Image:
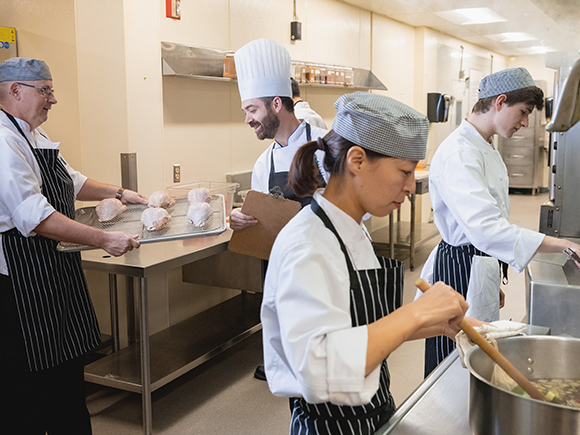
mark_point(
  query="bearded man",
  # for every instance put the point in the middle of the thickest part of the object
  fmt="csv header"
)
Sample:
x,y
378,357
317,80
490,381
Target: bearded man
x,y
263,70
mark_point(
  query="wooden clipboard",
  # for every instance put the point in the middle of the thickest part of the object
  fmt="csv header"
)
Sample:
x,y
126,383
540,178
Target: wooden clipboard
x,y
272,214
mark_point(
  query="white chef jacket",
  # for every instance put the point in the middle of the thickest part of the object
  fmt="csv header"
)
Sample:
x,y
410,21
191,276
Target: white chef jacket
x,y
469,188
22,205
311,349
283,157
303,111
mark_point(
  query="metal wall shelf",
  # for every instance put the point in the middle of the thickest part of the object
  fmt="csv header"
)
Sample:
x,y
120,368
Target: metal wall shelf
x,y
201,63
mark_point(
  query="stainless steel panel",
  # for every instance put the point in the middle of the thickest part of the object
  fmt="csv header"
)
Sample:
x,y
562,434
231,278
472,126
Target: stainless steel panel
x,y
521,176
553,298
525,137
129,222
129,171
227,270
522,156
187,60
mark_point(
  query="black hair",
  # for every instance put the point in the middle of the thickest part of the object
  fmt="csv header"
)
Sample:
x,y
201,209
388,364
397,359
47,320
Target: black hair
x,y
286,102
295,88
304,175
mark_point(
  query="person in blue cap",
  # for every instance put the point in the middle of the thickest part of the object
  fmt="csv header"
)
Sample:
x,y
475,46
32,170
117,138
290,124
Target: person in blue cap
x,y
469,189
328,312
47,320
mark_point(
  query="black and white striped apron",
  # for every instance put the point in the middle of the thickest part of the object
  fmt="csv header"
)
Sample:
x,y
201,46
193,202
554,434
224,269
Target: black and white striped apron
x,y
452,265
374,293
55,311
278,181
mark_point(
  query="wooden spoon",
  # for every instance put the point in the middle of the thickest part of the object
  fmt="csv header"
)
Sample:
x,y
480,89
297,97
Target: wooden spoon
x,y
493,353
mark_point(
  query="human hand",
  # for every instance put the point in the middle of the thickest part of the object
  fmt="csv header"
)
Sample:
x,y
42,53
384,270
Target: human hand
x,y
573,252
132,197
441,307
117,243
239,220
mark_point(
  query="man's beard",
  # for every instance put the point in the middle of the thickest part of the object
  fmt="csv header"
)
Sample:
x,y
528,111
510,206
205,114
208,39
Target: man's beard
x,y
269,125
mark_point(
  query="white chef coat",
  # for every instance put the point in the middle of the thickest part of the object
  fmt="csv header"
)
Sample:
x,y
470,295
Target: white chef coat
x,y
311,349
283,157
22,205
303,111
469,188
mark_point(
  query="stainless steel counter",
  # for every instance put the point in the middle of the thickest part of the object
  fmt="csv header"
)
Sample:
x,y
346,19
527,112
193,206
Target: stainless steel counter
x,y
439,406
154,361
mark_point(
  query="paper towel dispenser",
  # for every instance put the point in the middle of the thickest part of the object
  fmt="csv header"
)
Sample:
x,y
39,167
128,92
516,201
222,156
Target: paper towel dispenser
x,y
438,107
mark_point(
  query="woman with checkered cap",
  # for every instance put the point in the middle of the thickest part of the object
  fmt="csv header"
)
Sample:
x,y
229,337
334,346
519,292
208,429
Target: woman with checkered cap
x,y
469,189
328,313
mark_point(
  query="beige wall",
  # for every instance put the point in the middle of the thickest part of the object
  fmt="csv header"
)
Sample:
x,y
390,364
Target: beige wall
x,y
106,62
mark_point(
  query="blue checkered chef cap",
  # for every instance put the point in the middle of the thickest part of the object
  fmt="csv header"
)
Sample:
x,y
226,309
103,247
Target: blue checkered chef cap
x,y
23,69
381,124
504,81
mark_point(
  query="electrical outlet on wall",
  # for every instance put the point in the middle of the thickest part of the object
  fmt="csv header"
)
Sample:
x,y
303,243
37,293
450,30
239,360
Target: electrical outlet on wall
x,y
173,9
177,173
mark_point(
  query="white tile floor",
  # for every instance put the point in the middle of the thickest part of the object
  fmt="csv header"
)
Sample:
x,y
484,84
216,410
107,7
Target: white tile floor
x,y
222,397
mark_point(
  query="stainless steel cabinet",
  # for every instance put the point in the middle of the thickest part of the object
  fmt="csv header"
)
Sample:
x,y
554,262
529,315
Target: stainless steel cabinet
x,y
524,154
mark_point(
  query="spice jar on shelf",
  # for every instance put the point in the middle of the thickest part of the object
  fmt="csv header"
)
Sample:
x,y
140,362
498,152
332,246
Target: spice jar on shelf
x,y
349,77
319,72
339,76
309,73
229,66
299,72
330,75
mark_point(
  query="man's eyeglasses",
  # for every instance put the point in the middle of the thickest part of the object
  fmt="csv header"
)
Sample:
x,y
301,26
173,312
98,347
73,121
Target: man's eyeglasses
x,y
46,92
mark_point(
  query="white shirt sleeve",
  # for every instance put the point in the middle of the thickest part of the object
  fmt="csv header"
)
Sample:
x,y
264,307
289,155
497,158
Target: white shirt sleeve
x,y
465,191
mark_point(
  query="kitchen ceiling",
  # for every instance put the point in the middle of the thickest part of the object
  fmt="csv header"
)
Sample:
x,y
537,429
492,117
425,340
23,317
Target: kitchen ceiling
x,y
555,24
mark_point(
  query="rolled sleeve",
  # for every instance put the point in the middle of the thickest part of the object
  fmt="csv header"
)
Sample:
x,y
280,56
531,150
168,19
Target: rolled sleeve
x,y
30,213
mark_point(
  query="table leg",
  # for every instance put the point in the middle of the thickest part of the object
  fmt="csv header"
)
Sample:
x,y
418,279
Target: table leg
x,y
391,235
412,234
114,311
145,361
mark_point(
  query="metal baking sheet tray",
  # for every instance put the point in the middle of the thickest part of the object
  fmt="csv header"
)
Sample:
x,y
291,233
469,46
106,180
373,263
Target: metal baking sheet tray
x,y
129,222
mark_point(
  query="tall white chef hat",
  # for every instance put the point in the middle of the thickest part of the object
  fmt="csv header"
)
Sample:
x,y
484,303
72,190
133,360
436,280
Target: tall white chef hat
x,y
263,69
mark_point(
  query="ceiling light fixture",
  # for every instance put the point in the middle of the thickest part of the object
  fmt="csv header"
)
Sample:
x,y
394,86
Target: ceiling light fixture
x,y
470,16
512,37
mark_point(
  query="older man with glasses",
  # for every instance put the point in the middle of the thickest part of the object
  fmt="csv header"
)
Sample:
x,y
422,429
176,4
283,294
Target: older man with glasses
x,y
47,320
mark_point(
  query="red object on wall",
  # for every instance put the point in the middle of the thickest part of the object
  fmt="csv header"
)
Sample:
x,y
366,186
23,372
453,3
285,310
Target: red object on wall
x,y
173,9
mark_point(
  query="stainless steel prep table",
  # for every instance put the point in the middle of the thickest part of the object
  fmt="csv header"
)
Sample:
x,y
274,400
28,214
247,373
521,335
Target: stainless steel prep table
x,y
439,406
154,361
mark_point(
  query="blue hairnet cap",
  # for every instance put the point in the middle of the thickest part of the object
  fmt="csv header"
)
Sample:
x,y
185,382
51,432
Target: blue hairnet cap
x,y
381,124
24,69
504,81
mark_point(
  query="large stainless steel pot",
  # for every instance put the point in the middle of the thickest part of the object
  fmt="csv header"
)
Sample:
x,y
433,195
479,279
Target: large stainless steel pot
x,y
493,411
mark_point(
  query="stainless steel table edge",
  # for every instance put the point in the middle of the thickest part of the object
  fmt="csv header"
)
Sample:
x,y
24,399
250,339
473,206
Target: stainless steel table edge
x,y
417,394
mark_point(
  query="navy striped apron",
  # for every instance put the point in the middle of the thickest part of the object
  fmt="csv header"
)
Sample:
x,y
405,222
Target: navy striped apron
x,y
55,311
452,265
374,294
278,181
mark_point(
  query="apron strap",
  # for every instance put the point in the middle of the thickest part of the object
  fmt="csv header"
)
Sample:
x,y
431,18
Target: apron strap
x,y
324,217
11,118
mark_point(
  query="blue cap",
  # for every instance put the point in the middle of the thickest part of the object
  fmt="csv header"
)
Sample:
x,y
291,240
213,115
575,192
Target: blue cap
x,y
504,81
381,124
23,69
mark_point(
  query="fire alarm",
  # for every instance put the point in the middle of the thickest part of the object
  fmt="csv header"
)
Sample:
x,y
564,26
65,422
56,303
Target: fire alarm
x,y
173,9
295,30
